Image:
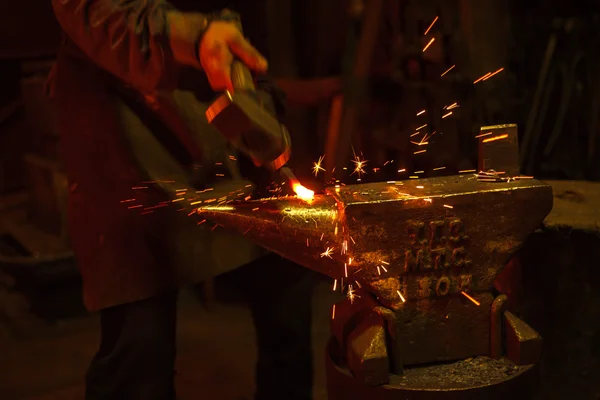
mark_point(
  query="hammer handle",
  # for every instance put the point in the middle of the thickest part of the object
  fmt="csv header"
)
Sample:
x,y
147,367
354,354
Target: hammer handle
x,y
241,77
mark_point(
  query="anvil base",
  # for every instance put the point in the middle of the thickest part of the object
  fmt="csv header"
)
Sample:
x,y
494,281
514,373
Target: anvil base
x,y
476,378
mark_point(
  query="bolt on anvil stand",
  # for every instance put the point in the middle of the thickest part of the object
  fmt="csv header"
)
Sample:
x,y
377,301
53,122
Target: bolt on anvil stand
x,y
418,259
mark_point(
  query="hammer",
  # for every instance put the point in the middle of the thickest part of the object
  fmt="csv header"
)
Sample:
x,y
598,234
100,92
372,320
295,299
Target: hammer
x,y
244,118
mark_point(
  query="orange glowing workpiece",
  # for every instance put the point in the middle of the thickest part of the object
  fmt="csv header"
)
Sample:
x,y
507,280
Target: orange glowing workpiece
x,y
303,192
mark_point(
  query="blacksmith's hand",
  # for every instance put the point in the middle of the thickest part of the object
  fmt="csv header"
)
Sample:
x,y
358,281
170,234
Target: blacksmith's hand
x,y
221,43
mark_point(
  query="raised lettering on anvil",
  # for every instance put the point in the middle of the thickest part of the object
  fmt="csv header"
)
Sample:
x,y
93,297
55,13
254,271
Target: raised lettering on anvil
x,y
436,245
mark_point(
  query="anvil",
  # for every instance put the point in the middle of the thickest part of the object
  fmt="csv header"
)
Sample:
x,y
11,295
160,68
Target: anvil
x,y
418,259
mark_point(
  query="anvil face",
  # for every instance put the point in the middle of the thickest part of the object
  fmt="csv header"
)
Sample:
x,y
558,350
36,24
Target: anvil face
x,y
402,241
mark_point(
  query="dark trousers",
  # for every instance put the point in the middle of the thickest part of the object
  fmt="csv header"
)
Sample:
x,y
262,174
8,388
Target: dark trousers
x,y
136,358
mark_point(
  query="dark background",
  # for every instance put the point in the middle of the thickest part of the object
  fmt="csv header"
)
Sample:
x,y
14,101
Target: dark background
x,y
550,87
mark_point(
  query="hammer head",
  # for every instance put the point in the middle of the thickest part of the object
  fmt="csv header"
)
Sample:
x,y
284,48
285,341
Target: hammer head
x,y
243,117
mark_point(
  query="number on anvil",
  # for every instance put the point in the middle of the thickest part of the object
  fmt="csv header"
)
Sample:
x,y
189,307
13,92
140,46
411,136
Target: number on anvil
x,y
436,245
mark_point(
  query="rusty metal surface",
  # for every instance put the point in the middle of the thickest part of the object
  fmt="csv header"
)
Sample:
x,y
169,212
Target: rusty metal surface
x,y
496,318
367,355
445,329
523,343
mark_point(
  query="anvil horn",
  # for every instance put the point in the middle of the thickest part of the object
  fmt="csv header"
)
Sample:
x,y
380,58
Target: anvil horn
x,y
307,233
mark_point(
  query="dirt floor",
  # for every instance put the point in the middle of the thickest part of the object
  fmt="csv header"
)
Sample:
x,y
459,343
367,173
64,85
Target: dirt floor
x,y
216,354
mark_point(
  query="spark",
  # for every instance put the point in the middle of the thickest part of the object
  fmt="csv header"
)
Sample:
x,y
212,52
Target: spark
x,y
428,200
482,78
495,138
430,26
452,106
401,170
138,206
470,298
401,297
488,76
413,177
448,206
201,222
177,199
384,262
427,137
158,181
352,240
421,112
247,230
127,201
494,73
378,270
322,234
255,209
439,168
317,166
448,70
307,243
335,231
483,134
421,127
139,187
383,268
345,270
466,171
147,212
349,261
220,175
334,284
420,151
447,115
359,166
428,44
333,312
327,252
358,284
351,294
420,187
